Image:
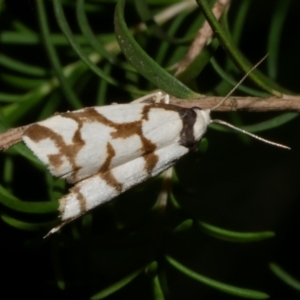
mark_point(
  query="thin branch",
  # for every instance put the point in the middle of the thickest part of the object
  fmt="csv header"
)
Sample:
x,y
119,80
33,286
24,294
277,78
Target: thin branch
x,y
203,37
251,104
168,13
12,137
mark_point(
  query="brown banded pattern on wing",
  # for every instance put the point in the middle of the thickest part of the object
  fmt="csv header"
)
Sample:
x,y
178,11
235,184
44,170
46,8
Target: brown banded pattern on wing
x,y
78,144
102,187
107,150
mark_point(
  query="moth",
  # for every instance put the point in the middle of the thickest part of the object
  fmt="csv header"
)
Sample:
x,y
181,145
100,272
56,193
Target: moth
x,y
107,150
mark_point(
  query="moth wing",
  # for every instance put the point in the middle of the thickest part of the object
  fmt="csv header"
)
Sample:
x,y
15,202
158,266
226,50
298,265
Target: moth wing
x,y
102,187
78,144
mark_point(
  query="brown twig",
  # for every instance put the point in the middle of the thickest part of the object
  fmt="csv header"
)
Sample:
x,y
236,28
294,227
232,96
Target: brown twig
x,y
203,37
11,137
251,104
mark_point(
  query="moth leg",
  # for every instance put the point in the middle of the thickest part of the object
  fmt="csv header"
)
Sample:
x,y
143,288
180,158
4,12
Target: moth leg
x,y
166,99
156,97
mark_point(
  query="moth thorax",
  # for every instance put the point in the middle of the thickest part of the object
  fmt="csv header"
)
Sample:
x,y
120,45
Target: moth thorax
x,y
202,121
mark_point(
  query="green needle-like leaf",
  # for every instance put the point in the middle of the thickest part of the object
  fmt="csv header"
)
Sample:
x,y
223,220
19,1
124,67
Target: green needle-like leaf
x,y
145,64
53,57
117,286
226,288
26,226
285,277
75,45
14,203
233,236
264,82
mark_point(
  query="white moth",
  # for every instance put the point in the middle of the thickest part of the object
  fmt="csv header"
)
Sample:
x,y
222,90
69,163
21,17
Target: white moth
x,y
107,150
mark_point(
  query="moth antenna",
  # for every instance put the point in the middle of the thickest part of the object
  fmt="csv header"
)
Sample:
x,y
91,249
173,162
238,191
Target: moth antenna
x,y
240,82
239,129
250,134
